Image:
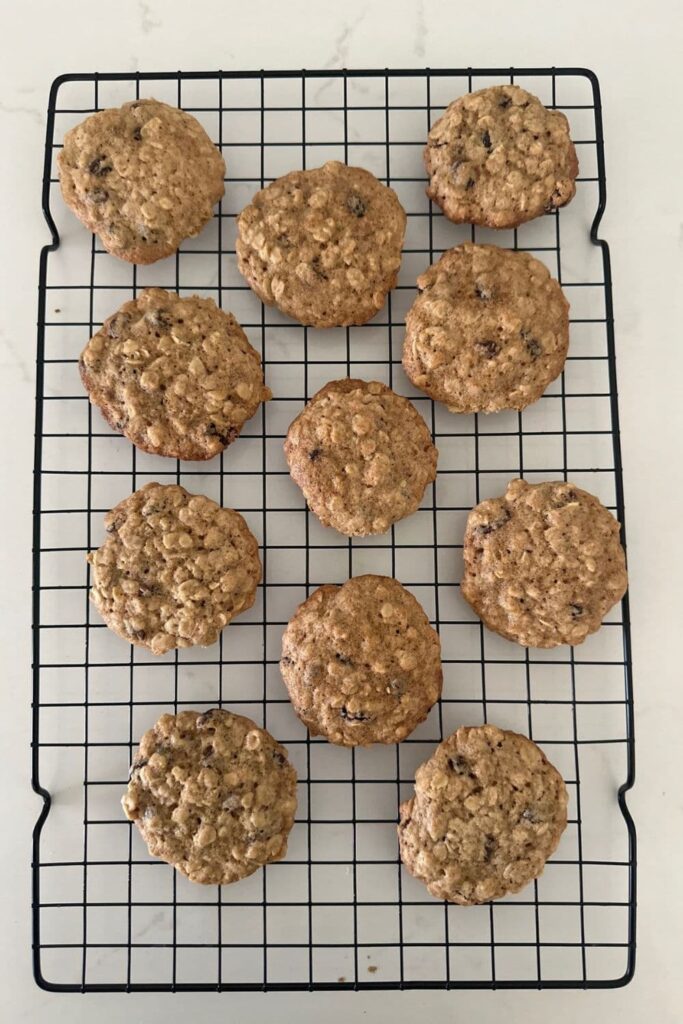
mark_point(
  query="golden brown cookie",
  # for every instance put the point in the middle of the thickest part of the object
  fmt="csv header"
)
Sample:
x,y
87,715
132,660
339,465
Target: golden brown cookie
x,y
177,376
543,564
212,794
498,157
324,245
361,663
174,570
143,177
488,811
362,455
488,331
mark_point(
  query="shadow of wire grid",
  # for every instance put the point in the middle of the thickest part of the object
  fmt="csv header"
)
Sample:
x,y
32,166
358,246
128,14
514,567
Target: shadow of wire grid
x,y
338,912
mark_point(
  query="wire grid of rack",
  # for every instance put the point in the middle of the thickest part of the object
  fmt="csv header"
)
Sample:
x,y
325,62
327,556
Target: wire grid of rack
x,y
338,912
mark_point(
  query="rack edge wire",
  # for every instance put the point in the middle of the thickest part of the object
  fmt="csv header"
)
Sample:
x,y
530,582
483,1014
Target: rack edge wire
x,y
45,795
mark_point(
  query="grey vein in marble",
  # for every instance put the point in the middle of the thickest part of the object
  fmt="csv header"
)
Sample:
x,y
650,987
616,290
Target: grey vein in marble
x,y
32,112
147,22
340,54
420,40
17,358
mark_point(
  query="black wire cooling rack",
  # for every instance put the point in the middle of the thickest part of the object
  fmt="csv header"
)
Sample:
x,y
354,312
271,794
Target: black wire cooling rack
x,y
338,913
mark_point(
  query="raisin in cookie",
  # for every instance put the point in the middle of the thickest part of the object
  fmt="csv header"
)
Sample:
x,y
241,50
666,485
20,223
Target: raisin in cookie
x,y
361,663
143,177
488,331
324,246
175,568
212,794
498,157
362,455
176,375
543,564
488,811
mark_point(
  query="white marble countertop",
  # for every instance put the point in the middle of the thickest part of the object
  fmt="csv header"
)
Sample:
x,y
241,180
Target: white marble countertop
x,y
635,49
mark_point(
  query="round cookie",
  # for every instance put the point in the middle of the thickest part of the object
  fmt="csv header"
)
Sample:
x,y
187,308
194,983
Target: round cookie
x,y
488,331
142,177
543,564
488,811
498,158
362,456
361,663
324,245
176,375
212,794
175,568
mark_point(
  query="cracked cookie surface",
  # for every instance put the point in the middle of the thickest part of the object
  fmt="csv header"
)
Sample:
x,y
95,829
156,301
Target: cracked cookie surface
x,y
212,794
543,564
323,245
488,811
142,177
361,662
175,568
498,157
177,376
362,455
488,331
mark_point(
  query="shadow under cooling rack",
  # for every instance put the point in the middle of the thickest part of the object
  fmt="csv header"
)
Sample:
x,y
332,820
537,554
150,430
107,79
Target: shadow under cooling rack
x,y
338,913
